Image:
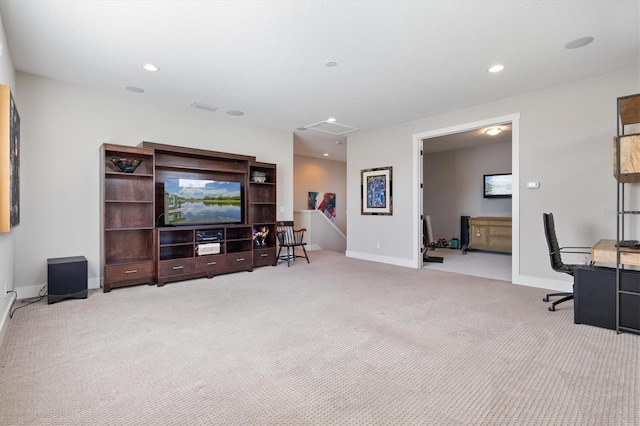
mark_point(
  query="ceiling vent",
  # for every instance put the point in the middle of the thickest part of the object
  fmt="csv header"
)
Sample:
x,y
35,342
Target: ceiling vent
x,y
334,128
200,105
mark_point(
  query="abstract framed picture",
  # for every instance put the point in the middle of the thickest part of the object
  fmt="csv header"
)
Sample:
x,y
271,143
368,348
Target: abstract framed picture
x,y
325,202
377,191
9,161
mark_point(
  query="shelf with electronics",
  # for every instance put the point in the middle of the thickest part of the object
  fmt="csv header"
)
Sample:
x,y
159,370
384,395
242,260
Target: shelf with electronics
x,y
626,170
191,213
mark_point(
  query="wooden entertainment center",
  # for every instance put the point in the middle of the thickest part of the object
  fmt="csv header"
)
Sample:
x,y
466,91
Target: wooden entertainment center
x,y
137,246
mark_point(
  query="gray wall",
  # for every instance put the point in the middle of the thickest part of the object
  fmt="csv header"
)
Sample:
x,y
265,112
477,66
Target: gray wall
x,y
563,140
7,240
63,127
453,185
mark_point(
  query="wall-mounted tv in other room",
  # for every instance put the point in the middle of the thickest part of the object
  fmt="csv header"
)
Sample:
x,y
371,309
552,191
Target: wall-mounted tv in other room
x,y
498,185
201,202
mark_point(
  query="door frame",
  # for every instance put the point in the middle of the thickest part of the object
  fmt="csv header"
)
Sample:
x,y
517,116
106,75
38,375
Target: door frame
x,y
418,141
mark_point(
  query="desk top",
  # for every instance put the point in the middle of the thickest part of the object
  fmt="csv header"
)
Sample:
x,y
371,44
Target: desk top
x,y
604,251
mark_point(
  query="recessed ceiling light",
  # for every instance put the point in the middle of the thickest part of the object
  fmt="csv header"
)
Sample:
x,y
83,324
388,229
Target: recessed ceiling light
x,y
492,131
331,120
135,89
331,64
338,143
301,128
150,67
235,113
579,42
325,154
496,68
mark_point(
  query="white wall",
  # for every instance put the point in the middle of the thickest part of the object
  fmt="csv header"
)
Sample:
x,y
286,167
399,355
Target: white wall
x,y
453,185
63,126
318,175
7,240
565,135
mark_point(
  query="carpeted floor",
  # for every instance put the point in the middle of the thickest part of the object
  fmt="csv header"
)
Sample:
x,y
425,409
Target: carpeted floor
x,y
336,342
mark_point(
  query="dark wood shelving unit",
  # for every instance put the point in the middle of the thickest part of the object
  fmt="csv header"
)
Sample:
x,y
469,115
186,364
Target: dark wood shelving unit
x,y
262,212
137,239
127,218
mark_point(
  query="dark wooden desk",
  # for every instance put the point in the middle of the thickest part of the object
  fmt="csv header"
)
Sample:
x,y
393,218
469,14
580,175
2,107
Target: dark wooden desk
x,y
594,290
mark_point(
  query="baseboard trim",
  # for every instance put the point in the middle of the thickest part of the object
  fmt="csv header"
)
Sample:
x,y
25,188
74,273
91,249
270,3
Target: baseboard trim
x,y
34,290
381,259
4,319
545,283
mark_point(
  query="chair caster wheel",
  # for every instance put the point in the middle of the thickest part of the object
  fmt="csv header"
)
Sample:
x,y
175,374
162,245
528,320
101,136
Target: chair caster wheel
x,y
552,308
545,299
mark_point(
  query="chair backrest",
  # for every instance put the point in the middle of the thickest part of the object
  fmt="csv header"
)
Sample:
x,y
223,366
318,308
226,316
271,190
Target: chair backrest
x,y
287,236
554,248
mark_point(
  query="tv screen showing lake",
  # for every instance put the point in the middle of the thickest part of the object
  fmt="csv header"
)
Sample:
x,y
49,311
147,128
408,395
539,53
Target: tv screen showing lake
x,y
201,202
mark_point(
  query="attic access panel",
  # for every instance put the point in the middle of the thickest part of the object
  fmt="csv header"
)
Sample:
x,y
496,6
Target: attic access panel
x,y
334,128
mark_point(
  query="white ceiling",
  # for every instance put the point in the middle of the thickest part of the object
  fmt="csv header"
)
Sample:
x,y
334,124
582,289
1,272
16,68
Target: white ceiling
x,y
397,60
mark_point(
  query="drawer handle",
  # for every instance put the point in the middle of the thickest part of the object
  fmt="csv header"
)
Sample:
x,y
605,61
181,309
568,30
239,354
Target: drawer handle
x,y
132,271
178,267
264,255
240,259
211,263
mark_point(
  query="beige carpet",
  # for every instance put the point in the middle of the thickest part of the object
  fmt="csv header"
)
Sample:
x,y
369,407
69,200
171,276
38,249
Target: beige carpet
x,y
335,342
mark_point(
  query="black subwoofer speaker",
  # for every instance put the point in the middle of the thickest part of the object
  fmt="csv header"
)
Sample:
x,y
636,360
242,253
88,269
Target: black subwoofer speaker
x,y
66,278
464,230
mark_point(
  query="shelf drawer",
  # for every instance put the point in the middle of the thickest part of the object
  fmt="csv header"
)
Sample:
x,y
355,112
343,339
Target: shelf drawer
x,y
500,231
211,264
140,271
630,282
262,257
169,268
243,258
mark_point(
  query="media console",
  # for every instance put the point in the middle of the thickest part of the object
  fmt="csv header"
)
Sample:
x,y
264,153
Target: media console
x,y
490,234
179,257
138,248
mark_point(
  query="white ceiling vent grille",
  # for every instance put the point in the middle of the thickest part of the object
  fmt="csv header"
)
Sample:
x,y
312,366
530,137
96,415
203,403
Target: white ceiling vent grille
x,y
334,128
206,107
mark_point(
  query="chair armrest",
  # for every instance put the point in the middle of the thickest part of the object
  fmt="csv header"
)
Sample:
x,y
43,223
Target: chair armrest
x,y
584,250
300,230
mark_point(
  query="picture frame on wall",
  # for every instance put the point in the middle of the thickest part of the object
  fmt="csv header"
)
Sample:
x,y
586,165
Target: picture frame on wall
x,y
9,161
376,188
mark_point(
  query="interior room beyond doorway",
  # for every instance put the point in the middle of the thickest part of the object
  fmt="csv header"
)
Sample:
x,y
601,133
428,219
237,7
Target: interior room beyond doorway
x,y
454,166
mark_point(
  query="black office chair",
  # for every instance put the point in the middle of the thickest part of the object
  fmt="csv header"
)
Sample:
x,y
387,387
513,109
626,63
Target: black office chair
x,y
556,258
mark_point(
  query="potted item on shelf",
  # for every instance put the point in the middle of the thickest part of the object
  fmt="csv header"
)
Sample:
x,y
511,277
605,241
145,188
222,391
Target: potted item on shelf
x,y
259,177
126,165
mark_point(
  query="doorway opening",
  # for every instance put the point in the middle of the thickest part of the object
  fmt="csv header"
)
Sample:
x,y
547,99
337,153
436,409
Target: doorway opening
x,y
421,145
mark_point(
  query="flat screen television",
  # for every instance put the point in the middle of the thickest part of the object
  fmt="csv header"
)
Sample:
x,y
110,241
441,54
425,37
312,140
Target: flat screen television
x,y
498,185
201,202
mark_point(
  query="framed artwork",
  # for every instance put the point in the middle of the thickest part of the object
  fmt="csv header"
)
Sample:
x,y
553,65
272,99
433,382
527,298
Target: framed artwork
x,y
325,202
377,191
9,161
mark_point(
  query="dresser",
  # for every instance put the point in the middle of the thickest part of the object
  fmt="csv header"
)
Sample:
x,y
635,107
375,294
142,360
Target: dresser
x,y
490,234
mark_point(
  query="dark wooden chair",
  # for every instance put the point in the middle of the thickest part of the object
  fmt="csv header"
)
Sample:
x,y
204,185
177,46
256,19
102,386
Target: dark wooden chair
x,y
290,238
